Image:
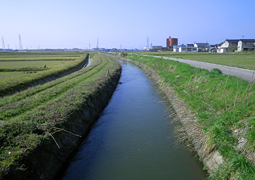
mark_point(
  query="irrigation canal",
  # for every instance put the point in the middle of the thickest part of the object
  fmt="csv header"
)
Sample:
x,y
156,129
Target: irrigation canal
x,y
133,138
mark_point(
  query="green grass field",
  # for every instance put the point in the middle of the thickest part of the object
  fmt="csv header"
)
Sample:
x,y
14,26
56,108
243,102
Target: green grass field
x,y
15,65
242,60
23,68
40,56
30,117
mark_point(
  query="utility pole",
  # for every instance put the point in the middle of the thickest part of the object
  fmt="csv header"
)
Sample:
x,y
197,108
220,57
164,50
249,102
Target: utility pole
x,y
97,43
3,46
20,43
147,42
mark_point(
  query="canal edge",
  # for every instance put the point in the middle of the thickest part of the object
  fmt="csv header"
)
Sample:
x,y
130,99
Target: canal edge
x,y
47,159
210,156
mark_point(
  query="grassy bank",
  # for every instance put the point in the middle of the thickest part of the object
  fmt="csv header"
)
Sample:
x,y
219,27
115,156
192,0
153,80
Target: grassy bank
x,y
33,117
224,109
18,70
241,60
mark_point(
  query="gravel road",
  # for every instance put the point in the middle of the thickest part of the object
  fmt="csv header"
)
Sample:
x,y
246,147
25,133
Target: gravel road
x,y
245,74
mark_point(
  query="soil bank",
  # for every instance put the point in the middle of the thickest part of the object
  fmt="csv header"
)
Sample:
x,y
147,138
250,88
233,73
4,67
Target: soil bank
x,y
47,159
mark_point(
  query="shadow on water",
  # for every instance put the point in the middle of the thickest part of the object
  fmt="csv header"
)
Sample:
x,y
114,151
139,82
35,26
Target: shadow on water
x,y
132,139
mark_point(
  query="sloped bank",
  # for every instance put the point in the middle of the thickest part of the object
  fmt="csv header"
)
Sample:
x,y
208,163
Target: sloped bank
x,y
189,129
47,158
211,157
217,114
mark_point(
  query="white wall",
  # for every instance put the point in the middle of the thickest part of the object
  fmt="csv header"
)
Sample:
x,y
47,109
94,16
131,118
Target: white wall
x,y
225,44
240,46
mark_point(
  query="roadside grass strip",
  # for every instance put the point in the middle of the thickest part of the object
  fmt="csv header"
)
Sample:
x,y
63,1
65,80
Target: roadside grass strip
x,y
21,134
23,78
224,107
241,59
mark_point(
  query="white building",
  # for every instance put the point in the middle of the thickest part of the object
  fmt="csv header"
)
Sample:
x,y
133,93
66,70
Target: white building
x,y
202,47
176,48
236,45
229,45
246,45
185,48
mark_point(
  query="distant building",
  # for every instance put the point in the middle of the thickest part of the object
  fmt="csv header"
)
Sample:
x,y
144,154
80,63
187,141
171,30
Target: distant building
x,y
213,48
197,47
246,45
184,48
229,45
171,41
236,45
202,47
156,47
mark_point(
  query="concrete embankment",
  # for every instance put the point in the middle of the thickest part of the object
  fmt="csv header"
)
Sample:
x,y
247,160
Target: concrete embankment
x,y
47,159
187,130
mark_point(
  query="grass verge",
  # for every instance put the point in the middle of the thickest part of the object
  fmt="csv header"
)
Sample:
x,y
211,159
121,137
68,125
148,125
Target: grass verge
x,y
241,60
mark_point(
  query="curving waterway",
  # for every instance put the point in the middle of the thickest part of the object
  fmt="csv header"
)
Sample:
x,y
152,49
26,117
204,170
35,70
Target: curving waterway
x,y
133,138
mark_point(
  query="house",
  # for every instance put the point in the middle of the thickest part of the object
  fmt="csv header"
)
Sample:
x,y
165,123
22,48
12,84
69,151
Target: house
x,y
229,45
212,48
246,45
176,48
236,45
184,48
188,48
202,47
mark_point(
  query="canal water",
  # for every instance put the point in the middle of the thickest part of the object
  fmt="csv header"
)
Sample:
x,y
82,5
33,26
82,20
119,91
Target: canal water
x,y
133,138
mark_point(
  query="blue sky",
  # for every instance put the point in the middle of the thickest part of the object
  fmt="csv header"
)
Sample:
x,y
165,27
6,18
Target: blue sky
x,y
78,23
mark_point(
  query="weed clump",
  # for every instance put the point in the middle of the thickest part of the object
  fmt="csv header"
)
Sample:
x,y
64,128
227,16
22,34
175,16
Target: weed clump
x,y
123,54
215,72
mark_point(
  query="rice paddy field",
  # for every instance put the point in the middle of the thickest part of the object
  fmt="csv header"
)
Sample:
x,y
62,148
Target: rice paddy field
x,y
32,117
23,68
241,60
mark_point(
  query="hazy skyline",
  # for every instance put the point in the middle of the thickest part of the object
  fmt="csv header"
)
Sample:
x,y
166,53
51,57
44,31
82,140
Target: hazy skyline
x,y
77,23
